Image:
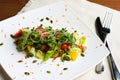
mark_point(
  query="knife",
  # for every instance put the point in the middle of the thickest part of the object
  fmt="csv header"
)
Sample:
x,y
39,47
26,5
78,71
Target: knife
x,y
114,71
98,26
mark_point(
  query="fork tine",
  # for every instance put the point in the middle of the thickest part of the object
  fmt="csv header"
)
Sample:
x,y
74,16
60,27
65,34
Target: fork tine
x,y
107,19
104,20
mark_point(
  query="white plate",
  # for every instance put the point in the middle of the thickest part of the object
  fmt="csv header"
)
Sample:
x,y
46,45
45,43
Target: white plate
x,y
62,16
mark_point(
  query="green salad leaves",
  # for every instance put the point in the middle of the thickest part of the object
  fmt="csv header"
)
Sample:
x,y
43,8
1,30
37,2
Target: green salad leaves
x,y
46,43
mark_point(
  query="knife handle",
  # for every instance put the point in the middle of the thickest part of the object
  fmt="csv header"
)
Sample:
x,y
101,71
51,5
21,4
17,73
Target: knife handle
x,y
99,32
114,70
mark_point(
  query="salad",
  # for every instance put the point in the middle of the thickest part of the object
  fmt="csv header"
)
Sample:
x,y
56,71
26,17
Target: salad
x,y
45,43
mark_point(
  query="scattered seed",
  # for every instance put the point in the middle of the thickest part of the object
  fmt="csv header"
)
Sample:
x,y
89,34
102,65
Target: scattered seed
x,y
19,61
48,72
58,64
65,68
1,44
41,19
41,25
75,31
34,61
51,21
27,73
82,55
23,17
12,35
47,18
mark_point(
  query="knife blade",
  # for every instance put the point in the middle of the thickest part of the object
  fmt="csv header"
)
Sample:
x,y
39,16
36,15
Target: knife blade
x,y
114,71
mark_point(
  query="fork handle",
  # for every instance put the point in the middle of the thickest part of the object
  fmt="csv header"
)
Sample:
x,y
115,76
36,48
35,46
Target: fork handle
x,y
114,70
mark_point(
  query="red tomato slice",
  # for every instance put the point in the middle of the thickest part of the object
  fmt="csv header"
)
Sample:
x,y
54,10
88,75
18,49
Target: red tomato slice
x,y
18,34
44,35
64,47
40,29
82,47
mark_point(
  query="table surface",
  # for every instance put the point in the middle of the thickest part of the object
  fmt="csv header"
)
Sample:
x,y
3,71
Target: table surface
x,y
11,7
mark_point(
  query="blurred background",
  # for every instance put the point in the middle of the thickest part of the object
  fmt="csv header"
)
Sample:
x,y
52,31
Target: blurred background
x,y
12,7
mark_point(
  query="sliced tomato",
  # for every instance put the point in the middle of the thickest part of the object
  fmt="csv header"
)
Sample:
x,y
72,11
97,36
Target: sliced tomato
x,y
44,35
40,29
18,34
82,47
65,46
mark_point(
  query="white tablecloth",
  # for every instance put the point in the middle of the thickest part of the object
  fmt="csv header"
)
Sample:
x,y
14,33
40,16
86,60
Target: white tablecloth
x,y
87,12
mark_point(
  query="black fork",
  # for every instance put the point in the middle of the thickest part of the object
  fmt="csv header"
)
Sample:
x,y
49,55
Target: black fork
x,y
105,29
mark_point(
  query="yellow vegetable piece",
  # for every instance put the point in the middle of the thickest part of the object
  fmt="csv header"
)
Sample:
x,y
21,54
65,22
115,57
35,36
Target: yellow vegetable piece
x,y
82,40
39,54
73,55
28,47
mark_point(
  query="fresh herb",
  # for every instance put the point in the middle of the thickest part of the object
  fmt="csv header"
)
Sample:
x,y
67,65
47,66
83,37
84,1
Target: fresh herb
x,y
65,57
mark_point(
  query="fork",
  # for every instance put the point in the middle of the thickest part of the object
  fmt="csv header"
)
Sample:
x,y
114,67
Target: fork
x,y
105,30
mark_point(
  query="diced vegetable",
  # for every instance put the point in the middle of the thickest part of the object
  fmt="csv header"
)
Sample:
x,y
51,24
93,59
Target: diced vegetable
x,y
48,55
31,52
82,40
65,57
75,49
83,48
46,43
73,55
39,54
64,46
74,52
